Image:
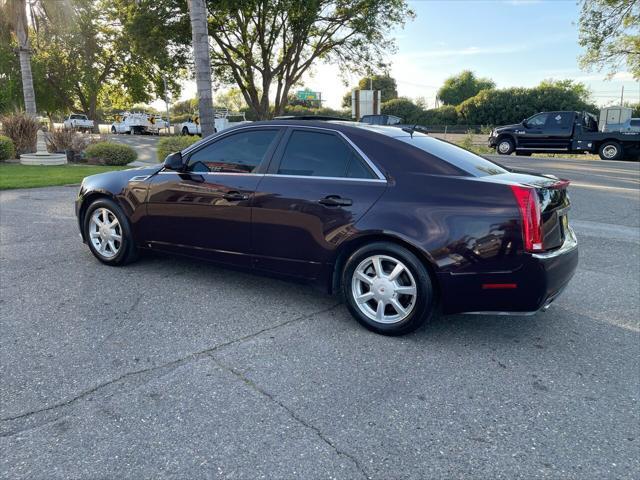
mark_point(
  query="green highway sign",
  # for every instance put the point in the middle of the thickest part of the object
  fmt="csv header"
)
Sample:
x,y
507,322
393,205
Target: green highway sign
x,y
307,95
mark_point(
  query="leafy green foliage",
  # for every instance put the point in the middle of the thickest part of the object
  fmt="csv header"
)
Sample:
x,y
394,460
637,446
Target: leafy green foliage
x,y
7,150
109,153
512,105
609,31
168,145
465,85
265,47
385,83
22,130
404,108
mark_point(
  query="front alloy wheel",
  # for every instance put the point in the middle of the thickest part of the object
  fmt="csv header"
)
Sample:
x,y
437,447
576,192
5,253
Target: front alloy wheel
x,y
108,234
505,146
105,233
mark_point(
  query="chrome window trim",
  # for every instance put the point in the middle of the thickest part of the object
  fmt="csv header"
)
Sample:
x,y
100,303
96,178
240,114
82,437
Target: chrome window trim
x,y
343,179
367,160
348,179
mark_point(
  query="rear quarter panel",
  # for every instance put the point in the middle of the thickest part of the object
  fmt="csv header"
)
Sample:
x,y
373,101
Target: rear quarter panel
x,y
462,224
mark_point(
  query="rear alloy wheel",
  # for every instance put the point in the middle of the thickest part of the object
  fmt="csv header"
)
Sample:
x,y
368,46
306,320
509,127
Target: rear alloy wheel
x,y
610,151
505,146
387,289
107,232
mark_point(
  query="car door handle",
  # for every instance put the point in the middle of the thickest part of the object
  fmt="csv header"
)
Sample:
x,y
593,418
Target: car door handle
x,y
335,201
235,196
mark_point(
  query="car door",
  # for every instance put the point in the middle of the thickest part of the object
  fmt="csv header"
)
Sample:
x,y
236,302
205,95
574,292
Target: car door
x,y
534,135
559,129
206,210
317,186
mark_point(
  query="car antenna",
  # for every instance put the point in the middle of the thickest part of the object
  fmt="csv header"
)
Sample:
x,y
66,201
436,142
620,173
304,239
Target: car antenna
x,y
410,130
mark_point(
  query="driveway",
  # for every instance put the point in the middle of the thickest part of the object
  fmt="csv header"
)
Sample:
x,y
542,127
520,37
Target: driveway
x,y
172,369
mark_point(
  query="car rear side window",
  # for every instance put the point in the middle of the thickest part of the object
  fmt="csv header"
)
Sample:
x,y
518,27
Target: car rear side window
x,y
237,153
316,154
464,160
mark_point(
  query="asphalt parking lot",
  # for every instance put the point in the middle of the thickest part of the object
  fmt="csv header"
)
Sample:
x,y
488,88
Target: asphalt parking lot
x,y
172,369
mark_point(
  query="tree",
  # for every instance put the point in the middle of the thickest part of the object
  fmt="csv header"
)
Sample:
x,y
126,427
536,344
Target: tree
x,y
385,83
402,107
266,46
15,13
511,105
608,30
458,88
231,99
200,40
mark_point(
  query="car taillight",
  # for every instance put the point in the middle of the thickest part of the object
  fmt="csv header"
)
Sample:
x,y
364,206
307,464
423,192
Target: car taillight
x,y
529,206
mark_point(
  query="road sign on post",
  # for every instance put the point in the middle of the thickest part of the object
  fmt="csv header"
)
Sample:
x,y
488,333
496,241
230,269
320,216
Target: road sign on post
x,y
307,95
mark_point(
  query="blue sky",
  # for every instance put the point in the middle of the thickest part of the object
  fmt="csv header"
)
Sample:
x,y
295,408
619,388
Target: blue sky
x,y
513,42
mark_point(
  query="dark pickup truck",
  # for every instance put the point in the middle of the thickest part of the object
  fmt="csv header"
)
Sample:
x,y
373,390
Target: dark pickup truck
x,y
568,132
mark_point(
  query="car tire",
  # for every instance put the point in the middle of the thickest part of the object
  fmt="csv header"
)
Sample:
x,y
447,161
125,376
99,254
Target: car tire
x,y
505,146
610,151
185,131
113,130
404,299
104,242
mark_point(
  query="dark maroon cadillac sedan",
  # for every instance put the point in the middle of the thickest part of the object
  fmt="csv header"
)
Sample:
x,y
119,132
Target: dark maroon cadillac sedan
x,y
400,223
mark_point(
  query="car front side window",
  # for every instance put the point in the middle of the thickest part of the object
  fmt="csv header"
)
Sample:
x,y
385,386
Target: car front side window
x,y
538,120
318,154
237,153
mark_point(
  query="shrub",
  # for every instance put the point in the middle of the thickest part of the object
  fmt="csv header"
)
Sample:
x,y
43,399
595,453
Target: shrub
x,y
108,153
172,144
404,108
22,130
7,150
60,139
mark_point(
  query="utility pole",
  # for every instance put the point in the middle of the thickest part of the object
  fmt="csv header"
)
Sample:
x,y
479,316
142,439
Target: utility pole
x,y
202,61
166,101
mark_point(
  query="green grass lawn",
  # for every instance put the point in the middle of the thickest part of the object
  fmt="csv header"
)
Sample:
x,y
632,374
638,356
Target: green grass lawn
x,y
28,176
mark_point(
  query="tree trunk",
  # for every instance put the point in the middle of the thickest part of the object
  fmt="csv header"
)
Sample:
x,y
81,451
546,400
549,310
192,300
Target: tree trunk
x,y
202,61
25,59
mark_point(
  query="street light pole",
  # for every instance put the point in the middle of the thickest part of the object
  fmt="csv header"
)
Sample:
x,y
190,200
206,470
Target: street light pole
x,y
166,101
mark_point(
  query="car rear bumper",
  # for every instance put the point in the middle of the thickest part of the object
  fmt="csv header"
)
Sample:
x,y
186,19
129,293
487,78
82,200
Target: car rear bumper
x,y
527,290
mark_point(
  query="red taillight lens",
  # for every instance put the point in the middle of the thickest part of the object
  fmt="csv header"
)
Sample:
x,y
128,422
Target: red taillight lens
x,y
529,206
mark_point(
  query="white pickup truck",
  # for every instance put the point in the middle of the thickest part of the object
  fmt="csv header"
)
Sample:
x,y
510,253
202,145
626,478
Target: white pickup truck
x,y
78,121
221,121
138,123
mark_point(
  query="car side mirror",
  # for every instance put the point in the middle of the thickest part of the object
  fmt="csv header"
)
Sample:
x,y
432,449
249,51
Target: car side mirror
x,y
524,123
174,162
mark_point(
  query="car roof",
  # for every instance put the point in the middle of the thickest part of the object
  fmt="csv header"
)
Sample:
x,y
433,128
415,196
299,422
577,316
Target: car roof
x,y
340,125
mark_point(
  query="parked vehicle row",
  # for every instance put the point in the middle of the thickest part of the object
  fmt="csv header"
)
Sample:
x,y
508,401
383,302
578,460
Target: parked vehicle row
x,y
138,123
616,136
223,119
400,223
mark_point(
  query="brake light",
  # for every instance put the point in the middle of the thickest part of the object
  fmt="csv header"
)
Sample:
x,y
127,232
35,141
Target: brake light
x,y
529,206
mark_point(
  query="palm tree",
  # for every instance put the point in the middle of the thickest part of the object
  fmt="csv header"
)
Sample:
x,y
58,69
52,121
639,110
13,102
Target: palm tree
x,y
15,11
202,61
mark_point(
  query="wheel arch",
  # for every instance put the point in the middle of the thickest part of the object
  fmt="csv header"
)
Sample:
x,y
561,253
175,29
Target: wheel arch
x,y
347,248
87,200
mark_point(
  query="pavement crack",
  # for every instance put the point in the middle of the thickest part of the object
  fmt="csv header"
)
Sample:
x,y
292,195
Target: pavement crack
x,y
154,371
296,417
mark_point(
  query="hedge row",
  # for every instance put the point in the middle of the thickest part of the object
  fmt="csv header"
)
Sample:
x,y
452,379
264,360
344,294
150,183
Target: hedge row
x,y
109,153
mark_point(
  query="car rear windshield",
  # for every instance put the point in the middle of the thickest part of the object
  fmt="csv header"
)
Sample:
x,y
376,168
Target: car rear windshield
x,y
463,159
